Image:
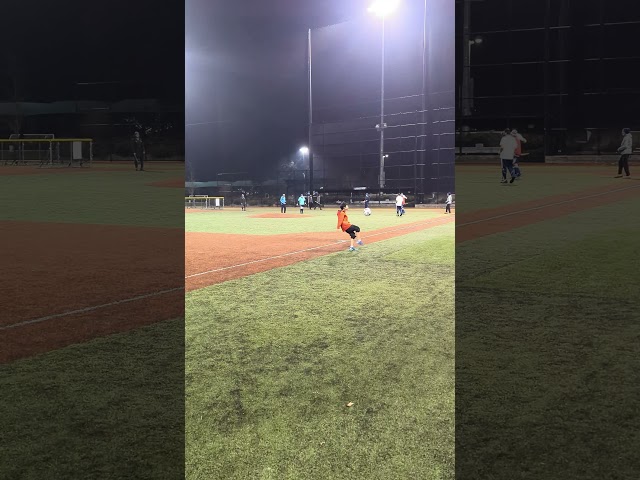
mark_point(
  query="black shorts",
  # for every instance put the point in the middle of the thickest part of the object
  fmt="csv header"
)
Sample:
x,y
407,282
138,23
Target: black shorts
x,y
352,230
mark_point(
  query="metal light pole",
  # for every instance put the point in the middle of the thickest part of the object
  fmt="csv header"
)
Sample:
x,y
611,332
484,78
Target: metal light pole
x,y
310,132
382,8
467,82
382,125
305,151
466,61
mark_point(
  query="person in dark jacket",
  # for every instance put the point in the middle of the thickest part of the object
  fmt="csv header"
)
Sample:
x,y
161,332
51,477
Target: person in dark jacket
x,y
138,151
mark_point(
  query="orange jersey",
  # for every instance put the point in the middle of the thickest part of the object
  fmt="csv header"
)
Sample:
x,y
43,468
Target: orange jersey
x,y
343,220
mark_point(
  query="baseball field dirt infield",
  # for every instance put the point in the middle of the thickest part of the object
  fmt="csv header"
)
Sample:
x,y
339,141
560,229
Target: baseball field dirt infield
x,y
51,297
81,253
213,258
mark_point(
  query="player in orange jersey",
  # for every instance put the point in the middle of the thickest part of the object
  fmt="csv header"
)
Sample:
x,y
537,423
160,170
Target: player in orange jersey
x,y
352,230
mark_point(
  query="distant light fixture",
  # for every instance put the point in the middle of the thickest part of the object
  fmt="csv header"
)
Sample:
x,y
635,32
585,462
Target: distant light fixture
x,y
382,8
304,150
477,40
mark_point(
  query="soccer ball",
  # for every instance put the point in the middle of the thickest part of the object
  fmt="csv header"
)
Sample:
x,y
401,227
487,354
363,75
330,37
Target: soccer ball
x,y
367,211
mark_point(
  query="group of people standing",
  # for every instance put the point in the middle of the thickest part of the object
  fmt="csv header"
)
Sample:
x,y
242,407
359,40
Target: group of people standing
x,y
303,200
510,153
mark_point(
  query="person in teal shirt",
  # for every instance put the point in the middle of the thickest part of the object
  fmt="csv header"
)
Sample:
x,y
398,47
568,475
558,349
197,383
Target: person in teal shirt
x,y
283,204
301,202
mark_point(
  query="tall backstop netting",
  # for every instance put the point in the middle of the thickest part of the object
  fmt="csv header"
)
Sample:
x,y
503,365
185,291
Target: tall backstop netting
x,y
554,70
46,151
419,102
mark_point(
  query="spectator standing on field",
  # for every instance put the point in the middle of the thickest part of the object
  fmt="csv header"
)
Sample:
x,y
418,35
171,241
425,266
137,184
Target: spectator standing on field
x,y
283,204
243,202
518,153
301,203
448,203
625,150
508,145
367,197
399,201
137,146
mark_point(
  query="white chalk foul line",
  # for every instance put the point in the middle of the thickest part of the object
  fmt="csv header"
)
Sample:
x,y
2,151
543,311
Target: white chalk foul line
x,y
253,262
89,309
554,204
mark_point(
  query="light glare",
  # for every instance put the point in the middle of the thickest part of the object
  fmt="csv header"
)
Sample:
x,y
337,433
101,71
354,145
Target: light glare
x,y
304,150
383,8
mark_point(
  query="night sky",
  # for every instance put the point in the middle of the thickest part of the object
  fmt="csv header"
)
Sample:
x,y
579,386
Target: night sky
x,y
49,46
246,77
588,44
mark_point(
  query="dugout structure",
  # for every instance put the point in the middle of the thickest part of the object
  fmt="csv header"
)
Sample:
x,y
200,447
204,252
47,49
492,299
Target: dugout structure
x,y
46,151
204,202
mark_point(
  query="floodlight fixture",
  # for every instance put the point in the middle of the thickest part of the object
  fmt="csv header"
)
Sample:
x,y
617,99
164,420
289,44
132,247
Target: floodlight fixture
x,y
383,8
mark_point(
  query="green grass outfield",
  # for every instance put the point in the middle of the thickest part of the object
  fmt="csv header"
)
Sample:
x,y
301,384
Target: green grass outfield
x,y
476,183
545,332
273,359
101,194
111,407
234,220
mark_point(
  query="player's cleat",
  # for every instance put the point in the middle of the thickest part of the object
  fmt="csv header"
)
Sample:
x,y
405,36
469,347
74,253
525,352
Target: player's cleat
x,y
360,242
503,181
512,179
353,249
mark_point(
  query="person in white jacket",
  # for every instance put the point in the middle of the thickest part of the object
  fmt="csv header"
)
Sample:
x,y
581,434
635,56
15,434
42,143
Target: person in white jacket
x,y
516,160
447,209
508,146
626,147
399,200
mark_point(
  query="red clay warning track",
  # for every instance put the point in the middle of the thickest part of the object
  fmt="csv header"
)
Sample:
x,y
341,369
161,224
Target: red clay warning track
x,y
215,258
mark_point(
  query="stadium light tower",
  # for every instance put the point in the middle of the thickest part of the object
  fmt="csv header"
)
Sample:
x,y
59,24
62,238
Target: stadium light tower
x,y
382,9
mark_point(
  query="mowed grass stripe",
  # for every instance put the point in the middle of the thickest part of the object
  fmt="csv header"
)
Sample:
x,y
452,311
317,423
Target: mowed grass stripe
x,y
272,359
